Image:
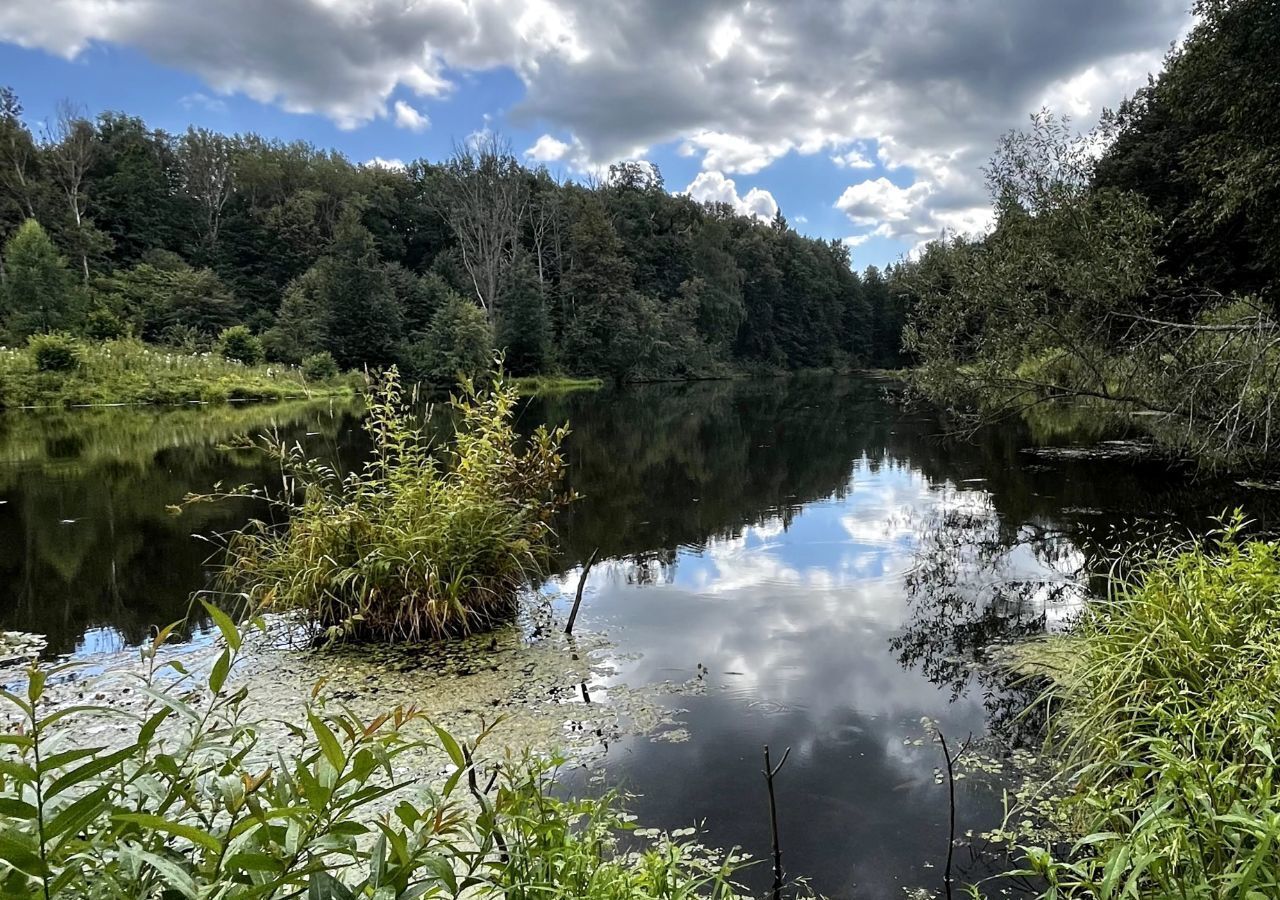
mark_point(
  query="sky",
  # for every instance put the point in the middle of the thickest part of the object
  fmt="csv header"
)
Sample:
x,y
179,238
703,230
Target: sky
x,y
866,121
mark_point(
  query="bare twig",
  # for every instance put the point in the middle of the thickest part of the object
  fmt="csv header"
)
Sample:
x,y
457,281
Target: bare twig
x,y
951,796
770,771
582,582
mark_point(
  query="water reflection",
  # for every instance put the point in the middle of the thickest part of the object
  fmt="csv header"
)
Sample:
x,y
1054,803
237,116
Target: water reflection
x,y
89,553
806,564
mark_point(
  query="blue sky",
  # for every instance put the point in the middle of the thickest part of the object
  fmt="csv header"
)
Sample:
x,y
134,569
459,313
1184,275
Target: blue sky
x,y
861,125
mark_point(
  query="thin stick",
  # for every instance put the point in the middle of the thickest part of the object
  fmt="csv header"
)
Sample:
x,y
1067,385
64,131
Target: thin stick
x,y
951,795
582,582
770,771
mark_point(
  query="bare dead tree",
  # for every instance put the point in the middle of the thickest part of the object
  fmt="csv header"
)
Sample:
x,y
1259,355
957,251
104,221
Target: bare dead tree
x,y
544,221
484,198
70,147
208,173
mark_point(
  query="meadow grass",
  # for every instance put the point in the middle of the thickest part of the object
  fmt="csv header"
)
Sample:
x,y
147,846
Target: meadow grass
x,y
543,385
128,371
1165,712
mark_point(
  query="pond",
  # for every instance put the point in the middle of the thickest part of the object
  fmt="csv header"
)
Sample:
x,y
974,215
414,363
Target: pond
x,y
799,562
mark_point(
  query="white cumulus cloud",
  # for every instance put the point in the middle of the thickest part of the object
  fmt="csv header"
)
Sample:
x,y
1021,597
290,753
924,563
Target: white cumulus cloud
x,y
714,187
738,84
408,117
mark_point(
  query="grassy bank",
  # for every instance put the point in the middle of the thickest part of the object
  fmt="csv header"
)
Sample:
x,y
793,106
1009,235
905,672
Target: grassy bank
x,y
1165,709
131,372
543,385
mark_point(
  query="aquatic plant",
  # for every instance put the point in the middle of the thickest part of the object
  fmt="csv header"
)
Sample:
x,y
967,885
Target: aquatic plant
x,y
1166,704
193,796
423,540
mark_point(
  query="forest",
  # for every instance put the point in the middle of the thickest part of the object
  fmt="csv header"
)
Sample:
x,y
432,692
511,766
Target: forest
x,y
114,229
1135,268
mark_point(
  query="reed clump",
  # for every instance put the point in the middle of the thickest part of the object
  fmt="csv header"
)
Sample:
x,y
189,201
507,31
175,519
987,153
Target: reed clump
x,y
425,540
1166,700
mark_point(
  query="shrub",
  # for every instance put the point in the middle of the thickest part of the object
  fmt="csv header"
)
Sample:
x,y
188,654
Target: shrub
x,y
420,542
194,801
54,352
1166,695
239,344
320,366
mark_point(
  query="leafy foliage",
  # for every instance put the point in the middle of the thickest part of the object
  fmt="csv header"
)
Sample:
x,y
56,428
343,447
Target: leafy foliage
x,y
1164,695
176,237
239,344
1134,268
319,366
39,292
457,345
201,798
54,352
422,541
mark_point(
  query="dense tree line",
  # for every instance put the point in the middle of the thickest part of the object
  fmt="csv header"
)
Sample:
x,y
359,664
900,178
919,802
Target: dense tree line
x,y
1136,268
114,228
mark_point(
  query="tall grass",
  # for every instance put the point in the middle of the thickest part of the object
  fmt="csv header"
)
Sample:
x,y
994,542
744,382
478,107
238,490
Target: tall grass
x,y
422,541
129,371
1167,698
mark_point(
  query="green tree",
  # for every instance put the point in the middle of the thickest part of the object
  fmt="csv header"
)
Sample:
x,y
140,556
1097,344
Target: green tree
x,y
458,343
239,344
40,292
365,321
524,328
163,295
302,324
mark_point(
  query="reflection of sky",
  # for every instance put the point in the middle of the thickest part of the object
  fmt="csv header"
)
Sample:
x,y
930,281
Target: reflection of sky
x,y
792,626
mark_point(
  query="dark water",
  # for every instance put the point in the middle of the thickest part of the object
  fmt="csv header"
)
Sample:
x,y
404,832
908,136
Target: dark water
x,y
816,567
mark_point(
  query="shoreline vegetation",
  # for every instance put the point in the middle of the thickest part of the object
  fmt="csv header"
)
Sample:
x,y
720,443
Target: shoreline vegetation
x,y
129,372
1162,716
1134,269
200,793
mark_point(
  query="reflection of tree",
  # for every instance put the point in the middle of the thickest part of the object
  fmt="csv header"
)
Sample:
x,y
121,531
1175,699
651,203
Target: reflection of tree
x,y
667,466
85,537
976,584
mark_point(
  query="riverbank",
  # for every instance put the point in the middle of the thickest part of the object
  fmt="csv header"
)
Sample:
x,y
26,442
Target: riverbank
x,y
129,372
1162,718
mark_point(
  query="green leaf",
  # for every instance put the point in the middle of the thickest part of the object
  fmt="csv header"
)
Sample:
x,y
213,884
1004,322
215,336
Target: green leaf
x,y
177,829
324,886
19,851
328,742
174,875
451,746
78,814
218,676
230,633
88,770
12,808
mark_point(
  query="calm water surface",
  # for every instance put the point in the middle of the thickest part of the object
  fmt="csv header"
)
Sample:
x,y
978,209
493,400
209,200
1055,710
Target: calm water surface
x,y
814,566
